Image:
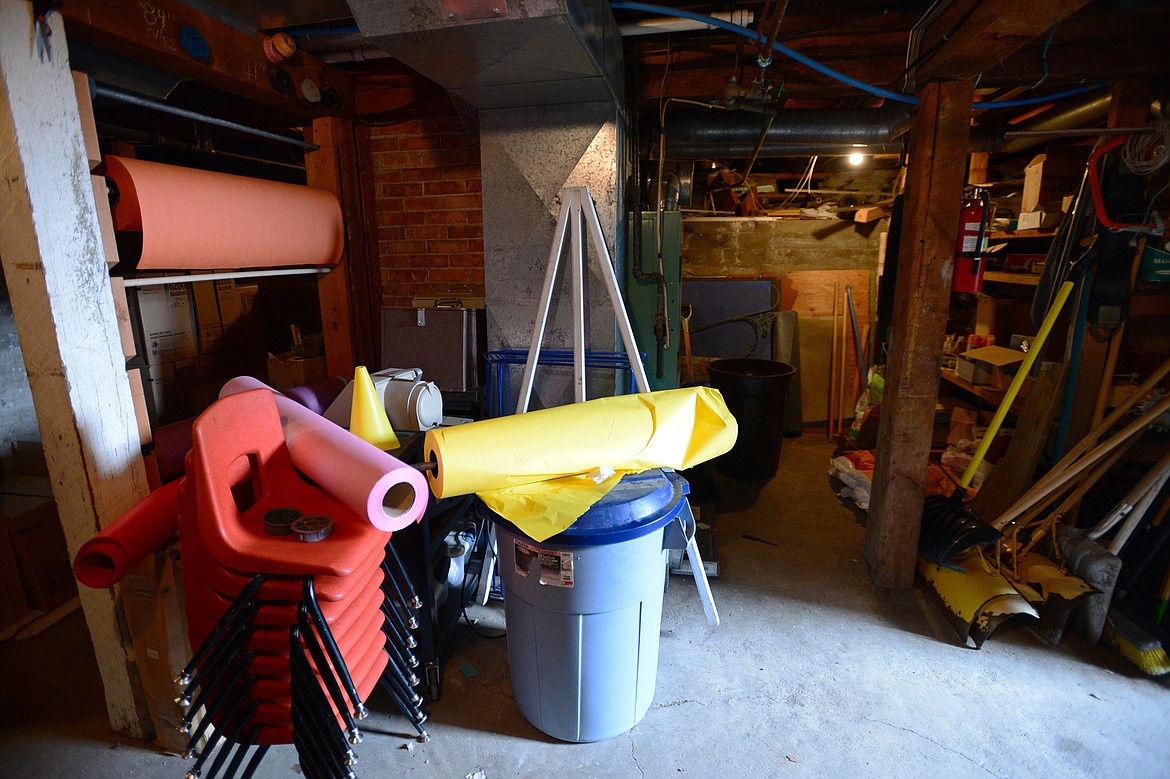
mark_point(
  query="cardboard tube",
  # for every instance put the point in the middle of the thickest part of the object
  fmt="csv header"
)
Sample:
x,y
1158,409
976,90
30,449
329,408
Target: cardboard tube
x,y
372,483
105,559
193,218
667,429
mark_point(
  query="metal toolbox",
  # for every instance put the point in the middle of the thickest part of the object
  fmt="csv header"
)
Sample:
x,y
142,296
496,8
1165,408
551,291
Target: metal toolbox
x,y
448,344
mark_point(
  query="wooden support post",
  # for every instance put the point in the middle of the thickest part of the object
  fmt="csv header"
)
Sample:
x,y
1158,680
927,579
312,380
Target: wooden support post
x,y
938,157
324,170
977,171
51,251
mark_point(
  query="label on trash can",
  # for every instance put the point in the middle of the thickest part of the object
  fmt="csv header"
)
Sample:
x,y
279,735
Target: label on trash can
x,y
556,568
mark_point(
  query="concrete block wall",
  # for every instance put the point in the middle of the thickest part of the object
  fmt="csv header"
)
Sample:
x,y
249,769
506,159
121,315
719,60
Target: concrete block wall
x,y
429,205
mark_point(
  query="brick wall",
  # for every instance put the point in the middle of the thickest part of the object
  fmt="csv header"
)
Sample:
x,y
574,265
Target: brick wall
x,y
429,205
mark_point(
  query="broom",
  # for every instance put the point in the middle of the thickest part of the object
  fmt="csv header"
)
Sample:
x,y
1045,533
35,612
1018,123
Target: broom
x,y
948,528
1135,644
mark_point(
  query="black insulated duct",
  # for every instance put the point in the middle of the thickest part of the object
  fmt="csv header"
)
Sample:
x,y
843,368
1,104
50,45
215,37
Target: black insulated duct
x,y
716,134
1082,111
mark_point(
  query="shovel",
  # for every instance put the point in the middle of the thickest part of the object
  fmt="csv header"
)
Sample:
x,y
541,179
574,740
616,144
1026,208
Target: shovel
x,y
948,528
976,599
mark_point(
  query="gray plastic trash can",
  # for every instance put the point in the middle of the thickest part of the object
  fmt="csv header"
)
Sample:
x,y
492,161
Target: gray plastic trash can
x,y
584,608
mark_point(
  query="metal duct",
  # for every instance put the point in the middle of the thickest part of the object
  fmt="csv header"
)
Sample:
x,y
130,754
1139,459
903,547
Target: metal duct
x,y
501,53
1081,111
714,134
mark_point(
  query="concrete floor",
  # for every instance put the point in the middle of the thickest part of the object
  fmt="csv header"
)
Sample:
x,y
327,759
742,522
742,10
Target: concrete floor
x,y
812,673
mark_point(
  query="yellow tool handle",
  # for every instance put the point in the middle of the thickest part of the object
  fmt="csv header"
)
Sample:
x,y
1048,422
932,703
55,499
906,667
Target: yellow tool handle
x,y
1017,381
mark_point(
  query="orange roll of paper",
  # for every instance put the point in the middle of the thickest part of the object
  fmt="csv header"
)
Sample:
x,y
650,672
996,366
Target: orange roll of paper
x,y
196,219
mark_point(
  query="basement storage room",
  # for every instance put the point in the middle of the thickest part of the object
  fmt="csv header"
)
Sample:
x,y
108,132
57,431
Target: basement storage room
x,y
483,388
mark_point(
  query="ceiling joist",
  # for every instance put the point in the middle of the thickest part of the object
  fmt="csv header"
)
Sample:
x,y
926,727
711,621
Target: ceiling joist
x,y
972,36
160,34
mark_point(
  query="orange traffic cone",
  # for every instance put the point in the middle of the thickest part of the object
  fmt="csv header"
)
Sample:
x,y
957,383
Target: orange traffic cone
x,y
367,415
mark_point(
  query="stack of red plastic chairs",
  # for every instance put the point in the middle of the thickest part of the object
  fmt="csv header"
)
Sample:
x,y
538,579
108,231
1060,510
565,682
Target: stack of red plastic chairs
x,y
286,599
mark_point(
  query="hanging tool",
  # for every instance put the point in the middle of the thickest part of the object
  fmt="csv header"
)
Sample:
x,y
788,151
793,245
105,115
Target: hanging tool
x,y
948,527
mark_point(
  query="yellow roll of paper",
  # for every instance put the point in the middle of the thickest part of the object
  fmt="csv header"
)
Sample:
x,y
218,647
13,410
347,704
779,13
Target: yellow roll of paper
x,y
534,469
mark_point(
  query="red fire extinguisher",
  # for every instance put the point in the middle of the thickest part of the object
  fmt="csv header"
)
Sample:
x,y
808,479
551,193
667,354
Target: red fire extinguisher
x,y
974,220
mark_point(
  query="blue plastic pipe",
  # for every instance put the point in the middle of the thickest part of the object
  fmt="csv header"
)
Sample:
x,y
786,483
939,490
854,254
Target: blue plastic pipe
x,y
836,75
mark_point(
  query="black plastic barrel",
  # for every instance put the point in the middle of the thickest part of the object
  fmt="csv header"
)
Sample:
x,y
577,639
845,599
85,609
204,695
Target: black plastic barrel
x,y
756,392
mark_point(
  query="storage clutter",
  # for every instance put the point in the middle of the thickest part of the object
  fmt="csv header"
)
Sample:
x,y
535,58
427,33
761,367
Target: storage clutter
x,y
34,563
296,603
191,338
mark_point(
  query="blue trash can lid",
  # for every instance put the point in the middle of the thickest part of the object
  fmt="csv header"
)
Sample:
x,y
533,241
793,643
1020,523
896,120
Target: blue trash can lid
x,y
640,504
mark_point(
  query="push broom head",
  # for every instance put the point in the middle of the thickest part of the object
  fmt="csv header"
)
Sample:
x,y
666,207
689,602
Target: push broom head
x,y
1136,645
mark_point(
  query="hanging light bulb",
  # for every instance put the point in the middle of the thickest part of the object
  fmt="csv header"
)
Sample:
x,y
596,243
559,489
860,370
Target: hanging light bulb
x,y
856,158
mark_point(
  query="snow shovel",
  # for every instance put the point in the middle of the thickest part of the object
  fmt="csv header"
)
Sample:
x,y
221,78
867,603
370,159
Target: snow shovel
x,y
948,528
976,599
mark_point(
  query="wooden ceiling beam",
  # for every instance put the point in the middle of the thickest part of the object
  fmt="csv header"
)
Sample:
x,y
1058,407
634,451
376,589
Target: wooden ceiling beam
x,y
972,36
150,33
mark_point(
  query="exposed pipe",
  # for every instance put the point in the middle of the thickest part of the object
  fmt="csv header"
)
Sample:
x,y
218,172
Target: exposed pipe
x,y
154,281
162,142
126,97
1083,112
654,26
836,75
692,135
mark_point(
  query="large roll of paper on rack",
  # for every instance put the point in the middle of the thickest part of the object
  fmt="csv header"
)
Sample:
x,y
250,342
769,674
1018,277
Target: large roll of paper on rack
x,y
195,219
371,482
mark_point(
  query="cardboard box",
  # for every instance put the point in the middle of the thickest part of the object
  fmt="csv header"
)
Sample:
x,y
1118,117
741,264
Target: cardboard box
x,y
13,603
1038,220
993,365
138,394
173,391
39,546
1052,175
152,595
1024,263
166,323
207,319
236,301
217,369
1155,265
287,370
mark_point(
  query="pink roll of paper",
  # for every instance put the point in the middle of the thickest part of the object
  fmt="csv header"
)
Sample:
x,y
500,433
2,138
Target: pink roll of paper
x,y
369,481
193,218
106,558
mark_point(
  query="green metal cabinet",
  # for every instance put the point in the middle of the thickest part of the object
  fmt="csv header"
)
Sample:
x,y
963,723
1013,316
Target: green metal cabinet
x,y
642,296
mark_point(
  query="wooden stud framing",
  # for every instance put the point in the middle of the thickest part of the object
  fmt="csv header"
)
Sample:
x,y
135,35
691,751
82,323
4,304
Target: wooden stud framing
x,y
921,301
351,293
51,251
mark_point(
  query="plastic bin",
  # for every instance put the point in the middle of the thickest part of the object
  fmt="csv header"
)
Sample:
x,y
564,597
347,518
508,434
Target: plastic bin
x,y
756,392
584,608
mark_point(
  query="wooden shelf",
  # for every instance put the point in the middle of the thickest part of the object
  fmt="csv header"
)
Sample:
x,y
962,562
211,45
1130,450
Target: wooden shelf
x,y
1019,235
984,392
998,276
